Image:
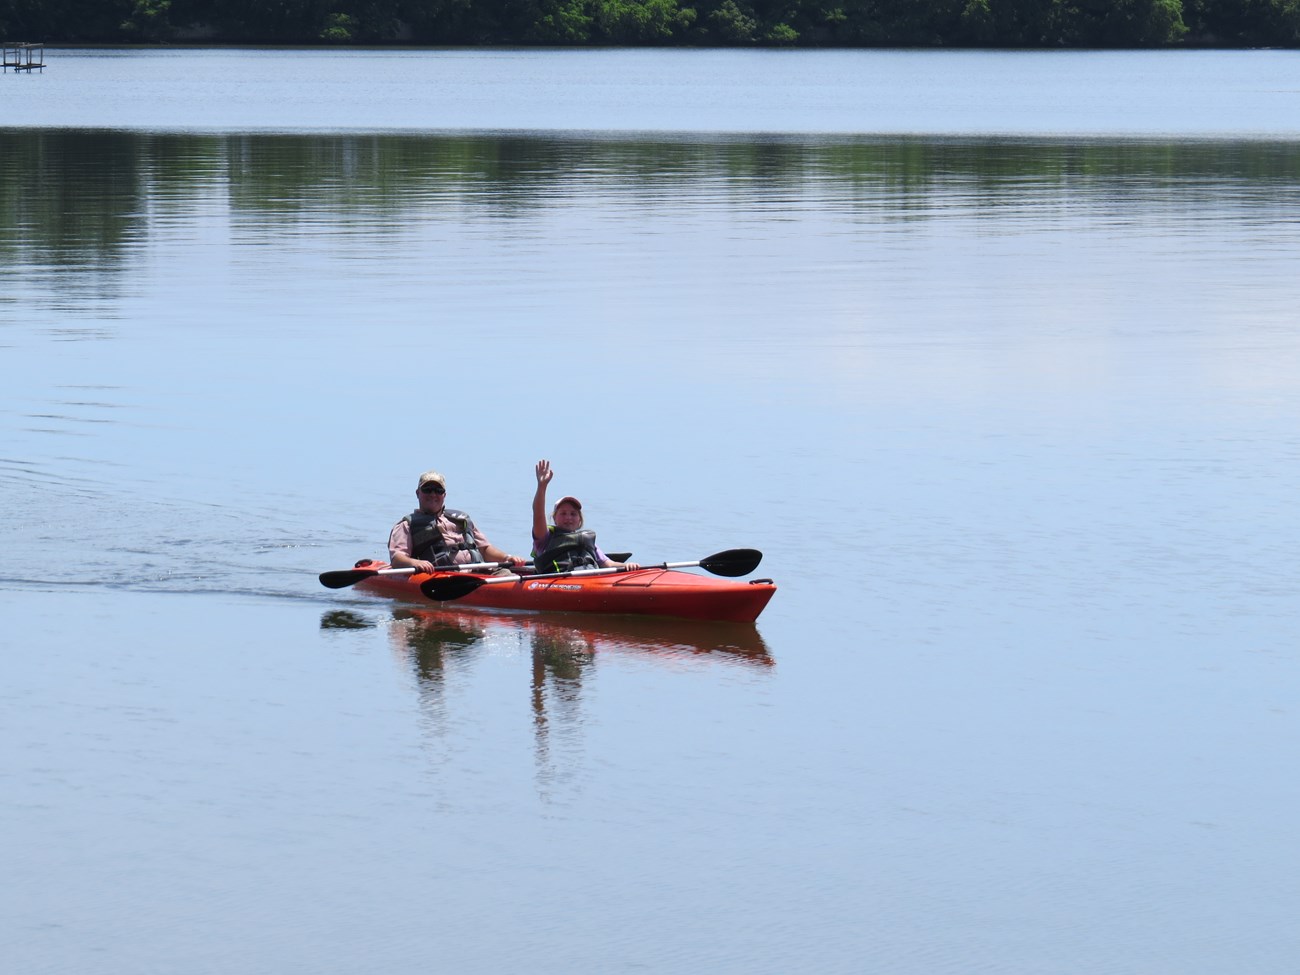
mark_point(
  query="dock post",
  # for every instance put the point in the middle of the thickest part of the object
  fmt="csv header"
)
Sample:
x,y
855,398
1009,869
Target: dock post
x,y
24,56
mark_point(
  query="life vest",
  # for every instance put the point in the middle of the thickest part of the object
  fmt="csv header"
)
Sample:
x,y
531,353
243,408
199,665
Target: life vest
x,y
428,543
567,550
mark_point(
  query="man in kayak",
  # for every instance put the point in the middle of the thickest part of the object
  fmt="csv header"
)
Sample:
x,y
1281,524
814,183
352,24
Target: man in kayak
x,y
435,536
565,544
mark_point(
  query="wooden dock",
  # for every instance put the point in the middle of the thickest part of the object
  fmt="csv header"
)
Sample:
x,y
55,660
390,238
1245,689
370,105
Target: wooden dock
x,y
24,57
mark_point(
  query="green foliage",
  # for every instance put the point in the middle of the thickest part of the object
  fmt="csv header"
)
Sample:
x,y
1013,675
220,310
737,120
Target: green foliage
x,y
149,20
640,21
52,21
565,22
732,24
861,23
1244,22
1129,23
1284,19
1014,23
449,21
339,28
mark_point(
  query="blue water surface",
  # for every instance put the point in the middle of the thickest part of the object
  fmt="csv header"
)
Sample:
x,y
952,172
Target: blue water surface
x,y
993,355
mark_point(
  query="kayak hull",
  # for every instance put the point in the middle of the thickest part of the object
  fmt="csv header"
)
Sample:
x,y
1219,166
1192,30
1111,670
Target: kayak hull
x,y
643,592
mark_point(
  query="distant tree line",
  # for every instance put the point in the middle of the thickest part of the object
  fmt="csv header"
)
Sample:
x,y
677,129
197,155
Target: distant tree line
x,y
731,23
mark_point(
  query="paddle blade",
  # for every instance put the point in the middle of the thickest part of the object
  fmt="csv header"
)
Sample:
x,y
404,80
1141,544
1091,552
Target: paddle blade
x,y
733,562
442,588
343,578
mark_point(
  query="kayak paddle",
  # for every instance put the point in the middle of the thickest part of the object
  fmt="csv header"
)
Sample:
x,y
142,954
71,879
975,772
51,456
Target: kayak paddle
x,y
342,578
350,577
733,562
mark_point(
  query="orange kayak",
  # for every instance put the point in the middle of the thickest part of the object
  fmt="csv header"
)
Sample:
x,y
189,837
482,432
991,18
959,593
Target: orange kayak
x,y
652,591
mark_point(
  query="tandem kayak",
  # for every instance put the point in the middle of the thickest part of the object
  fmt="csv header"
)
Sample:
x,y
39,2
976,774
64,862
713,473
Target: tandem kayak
x,y
650,591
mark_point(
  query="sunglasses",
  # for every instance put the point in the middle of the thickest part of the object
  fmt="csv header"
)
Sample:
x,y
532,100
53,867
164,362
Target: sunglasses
x,y
433,489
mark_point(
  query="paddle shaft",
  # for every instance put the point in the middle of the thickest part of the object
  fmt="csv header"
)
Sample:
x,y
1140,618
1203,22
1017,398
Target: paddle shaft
x,y
611,570
342,578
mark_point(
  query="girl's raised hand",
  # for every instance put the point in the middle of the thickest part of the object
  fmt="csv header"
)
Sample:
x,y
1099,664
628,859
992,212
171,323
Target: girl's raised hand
x,y
544,474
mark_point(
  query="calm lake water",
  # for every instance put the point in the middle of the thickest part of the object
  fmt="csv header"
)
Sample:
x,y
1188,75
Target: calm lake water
x,y
995,356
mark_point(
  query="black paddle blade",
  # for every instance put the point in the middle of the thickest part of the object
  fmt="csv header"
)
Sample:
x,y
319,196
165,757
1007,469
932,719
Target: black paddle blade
x,y
442,588
343,578
733,562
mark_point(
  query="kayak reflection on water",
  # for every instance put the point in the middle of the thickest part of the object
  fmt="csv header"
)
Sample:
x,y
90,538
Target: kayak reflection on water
x,y
562,643
433,644
740,642
441,645
564,650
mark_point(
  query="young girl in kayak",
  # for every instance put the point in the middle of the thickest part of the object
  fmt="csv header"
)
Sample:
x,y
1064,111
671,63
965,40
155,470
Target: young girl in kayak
x,y
565,544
